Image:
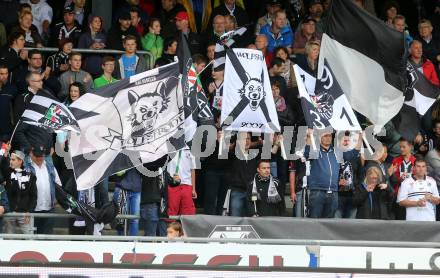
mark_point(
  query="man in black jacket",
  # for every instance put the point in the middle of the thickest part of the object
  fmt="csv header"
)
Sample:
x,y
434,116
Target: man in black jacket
x,y
8,92
27,135
14,56
68,29
22,192
192,39
243,168
119,31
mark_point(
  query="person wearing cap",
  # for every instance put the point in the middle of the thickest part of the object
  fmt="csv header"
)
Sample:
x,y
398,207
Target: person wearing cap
x,y
306,34
192,39
21,189
119,31
323,181
316,12
68,28
130,63
47,177
279,32
272,6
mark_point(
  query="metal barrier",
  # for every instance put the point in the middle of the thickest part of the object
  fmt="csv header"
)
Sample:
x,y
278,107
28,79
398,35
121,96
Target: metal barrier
x,y
32,217
150,58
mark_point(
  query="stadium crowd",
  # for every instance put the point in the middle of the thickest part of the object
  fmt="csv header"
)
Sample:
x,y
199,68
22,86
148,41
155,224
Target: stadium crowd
x,y
401,183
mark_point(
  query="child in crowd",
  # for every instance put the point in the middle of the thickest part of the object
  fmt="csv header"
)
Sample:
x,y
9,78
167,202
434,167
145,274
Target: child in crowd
x,y
174,230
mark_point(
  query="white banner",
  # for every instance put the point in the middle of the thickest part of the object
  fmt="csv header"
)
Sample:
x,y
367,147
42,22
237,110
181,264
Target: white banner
x,y
248,103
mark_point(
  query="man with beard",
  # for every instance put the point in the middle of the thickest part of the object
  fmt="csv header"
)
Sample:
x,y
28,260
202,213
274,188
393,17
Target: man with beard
x,y
316,11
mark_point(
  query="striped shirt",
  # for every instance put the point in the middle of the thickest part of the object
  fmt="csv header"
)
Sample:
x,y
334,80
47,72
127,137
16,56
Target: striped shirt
x,y
414,190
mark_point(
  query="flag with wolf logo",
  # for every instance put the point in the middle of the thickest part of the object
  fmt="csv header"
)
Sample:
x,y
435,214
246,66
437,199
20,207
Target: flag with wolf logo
x,y
326,105
49,114
128,123
248,103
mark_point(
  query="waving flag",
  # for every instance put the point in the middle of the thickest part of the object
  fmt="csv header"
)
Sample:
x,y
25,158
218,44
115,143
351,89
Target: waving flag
x,y
326,105
225,42
49,114
128,123
248,103
367,58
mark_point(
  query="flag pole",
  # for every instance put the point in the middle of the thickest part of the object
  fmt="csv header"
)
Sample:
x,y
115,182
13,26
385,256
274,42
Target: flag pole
x,y
283,149
13,132
220,144
205,67
366,143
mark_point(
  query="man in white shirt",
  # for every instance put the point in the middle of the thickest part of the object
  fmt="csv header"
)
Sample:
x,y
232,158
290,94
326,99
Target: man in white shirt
x,y
47,177
419,194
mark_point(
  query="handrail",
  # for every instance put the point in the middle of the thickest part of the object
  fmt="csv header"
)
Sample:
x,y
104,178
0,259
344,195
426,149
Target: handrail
x,y
353,243
59,215
96,51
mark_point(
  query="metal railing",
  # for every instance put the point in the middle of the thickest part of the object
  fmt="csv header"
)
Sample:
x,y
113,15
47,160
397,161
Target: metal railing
x,y
150,58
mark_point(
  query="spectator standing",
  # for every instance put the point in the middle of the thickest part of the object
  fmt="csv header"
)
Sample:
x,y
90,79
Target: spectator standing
x,y
421,63
316,12
264,193
47,179
419,194
230,7
81,13
21,189
14,56
136,21
371,198
169,51
309,61
43,14
288,74
401,168
25,26
261,43
192,39
400,25
58,63
430,44
215,90
323,181
94,38
306,34
26,135
108,67
182,190
272,6
279,32
74,74
212,35
167,16
242,172
8,93
130,63
119,31
152,41
68,29
128,6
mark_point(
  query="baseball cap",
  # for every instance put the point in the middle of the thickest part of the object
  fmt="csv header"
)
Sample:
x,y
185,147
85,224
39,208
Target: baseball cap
x,y
125,16
19,154
68,9
308,20
182,16
39,151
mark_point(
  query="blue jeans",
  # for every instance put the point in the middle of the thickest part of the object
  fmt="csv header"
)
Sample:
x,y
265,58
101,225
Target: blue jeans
x,y
215,192
238,203
153,225
322,204
298,207
133,207
345,206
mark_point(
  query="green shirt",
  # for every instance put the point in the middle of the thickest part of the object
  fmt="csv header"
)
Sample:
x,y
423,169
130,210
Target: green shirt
x,y
102,81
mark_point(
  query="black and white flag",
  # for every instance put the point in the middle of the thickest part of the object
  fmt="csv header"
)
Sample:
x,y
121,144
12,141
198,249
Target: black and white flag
x,y
49,114
326,105
196,104
248,103
368,60
419,97
126,124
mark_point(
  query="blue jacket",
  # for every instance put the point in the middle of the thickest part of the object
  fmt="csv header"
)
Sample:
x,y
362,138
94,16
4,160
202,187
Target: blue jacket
x,y
324,171
51,170
284,39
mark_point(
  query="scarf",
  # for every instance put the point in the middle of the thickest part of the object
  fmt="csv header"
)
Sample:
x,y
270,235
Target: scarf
x,y
272,192
20,177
